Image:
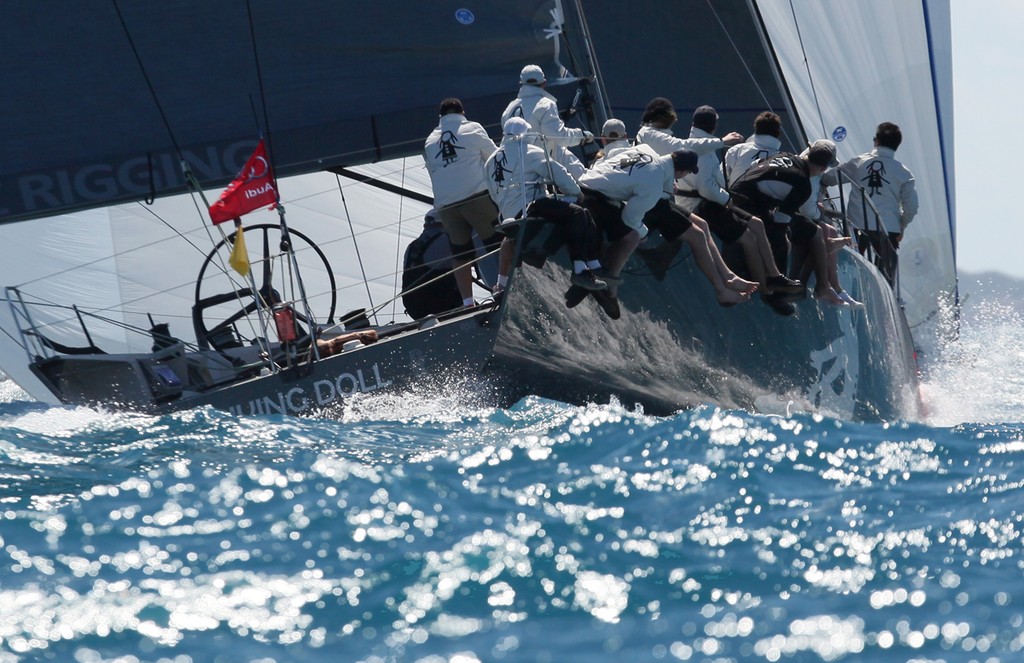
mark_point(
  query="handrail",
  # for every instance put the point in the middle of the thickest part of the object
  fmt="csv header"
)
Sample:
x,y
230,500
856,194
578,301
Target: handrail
x,y
888,255
20,312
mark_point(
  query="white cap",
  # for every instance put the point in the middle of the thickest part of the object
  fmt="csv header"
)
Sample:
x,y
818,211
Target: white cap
x,y
531,75
822,153
614,128
516,126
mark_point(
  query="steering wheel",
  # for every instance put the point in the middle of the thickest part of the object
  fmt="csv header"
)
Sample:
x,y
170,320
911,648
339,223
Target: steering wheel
x,y
217,311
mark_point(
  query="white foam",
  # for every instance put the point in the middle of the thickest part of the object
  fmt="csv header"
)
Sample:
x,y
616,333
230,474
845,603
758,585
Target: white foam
x,y
980,377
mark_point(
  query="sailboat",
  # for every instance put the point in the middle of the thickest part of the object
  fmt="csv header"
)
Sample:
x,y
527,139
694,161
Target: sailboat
x,y
119,292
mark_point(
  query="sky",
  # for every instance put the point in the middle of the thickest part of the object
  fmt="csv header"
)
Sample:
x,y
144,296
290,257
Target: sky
x,y
988,106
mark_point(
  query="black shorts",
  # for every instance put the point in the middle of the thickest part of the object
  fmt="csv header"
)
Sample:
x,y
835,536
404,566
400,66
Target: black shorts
x,y
607,214
726,226
802,229
669,219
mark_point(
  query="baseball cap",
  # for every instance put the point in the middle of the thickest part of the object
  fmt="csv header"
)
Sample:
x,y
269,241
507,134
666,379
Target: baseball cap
x,y
822,153
531,75
705,116
516,126
614,128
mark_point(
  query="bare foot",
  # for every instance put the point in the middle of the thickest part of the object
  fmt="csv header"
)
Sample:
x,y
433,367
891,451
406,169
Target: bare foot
x,y
728,297
740,285
836,243
829,296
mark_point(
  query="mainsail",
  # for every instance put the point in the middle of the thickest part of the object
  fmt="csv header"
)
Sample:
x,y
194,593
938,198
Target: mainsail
x,y
105,99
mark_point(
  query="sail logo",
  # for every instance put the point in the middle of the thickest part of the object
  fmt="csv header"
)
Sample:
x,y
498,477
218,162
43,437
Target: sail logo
x,y
839,134
464,16
128,179
298,399
259,168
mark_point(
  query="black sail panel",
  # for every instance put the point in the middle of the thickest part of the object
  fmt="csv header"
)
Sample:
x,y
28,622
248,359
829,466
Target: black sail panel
x,y
344,84
692,53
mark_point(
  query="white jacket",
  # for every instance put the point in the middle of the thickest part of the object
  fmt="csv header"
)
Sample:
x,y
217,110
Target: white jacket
x,y
708,182
739,158
663,142
638,177
517,173
540,109
612,148
888,184
455,153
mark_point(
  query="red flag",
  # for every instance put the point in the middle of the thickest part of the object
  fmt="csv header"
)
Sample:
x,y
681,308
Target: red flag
x,y
252,189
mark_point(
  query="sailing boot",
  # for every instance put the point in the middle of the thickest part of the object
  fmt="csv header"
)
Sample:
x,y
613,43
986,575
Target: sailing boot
x,y
587,280
609,303
574,295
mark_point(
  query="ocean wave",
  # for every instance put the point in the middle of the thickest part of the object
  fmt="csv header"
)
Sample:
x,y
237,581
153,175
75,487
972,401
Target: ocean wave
x,y
541,532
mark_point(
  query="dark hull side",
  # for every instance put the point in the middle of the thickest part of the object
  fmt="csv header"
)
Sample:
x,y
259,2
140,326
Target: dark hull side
x,y
441,356
674,347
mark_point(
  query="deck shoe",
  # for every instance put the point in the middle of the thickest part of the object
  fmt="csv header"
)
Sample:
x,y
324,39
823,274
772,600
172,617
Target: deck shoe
x,y
574,295
606,276
609,303
586,279
845,296
782,284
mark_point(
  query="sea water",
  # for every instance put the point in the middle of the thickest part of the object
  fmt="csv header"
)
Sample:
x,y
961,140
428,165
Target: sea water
x,y
435,529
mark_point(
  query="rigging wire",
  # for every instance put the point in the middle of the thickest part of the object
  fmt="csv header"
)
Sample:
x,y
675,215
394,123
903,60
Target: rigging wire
x,y
739,54
807,65
294,274
152,91
750,74
166,123
359,255
398,246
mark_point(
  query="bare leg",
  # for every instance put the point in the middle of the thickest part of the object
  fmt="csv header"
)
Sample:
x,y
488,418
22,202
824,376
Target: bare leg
x,y
732,281
756,226
748,242
819,261
833,243
702,256
464,279
505,254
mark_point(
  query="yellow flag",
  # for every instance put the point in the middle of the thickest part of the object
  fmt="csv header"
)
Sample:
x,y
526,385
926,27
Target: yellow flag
x,y
239,259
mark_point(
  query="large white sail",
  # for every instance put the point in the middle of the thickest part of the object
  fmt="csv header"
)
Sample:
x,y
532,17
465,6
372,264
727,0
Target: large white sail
x,y
849,66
